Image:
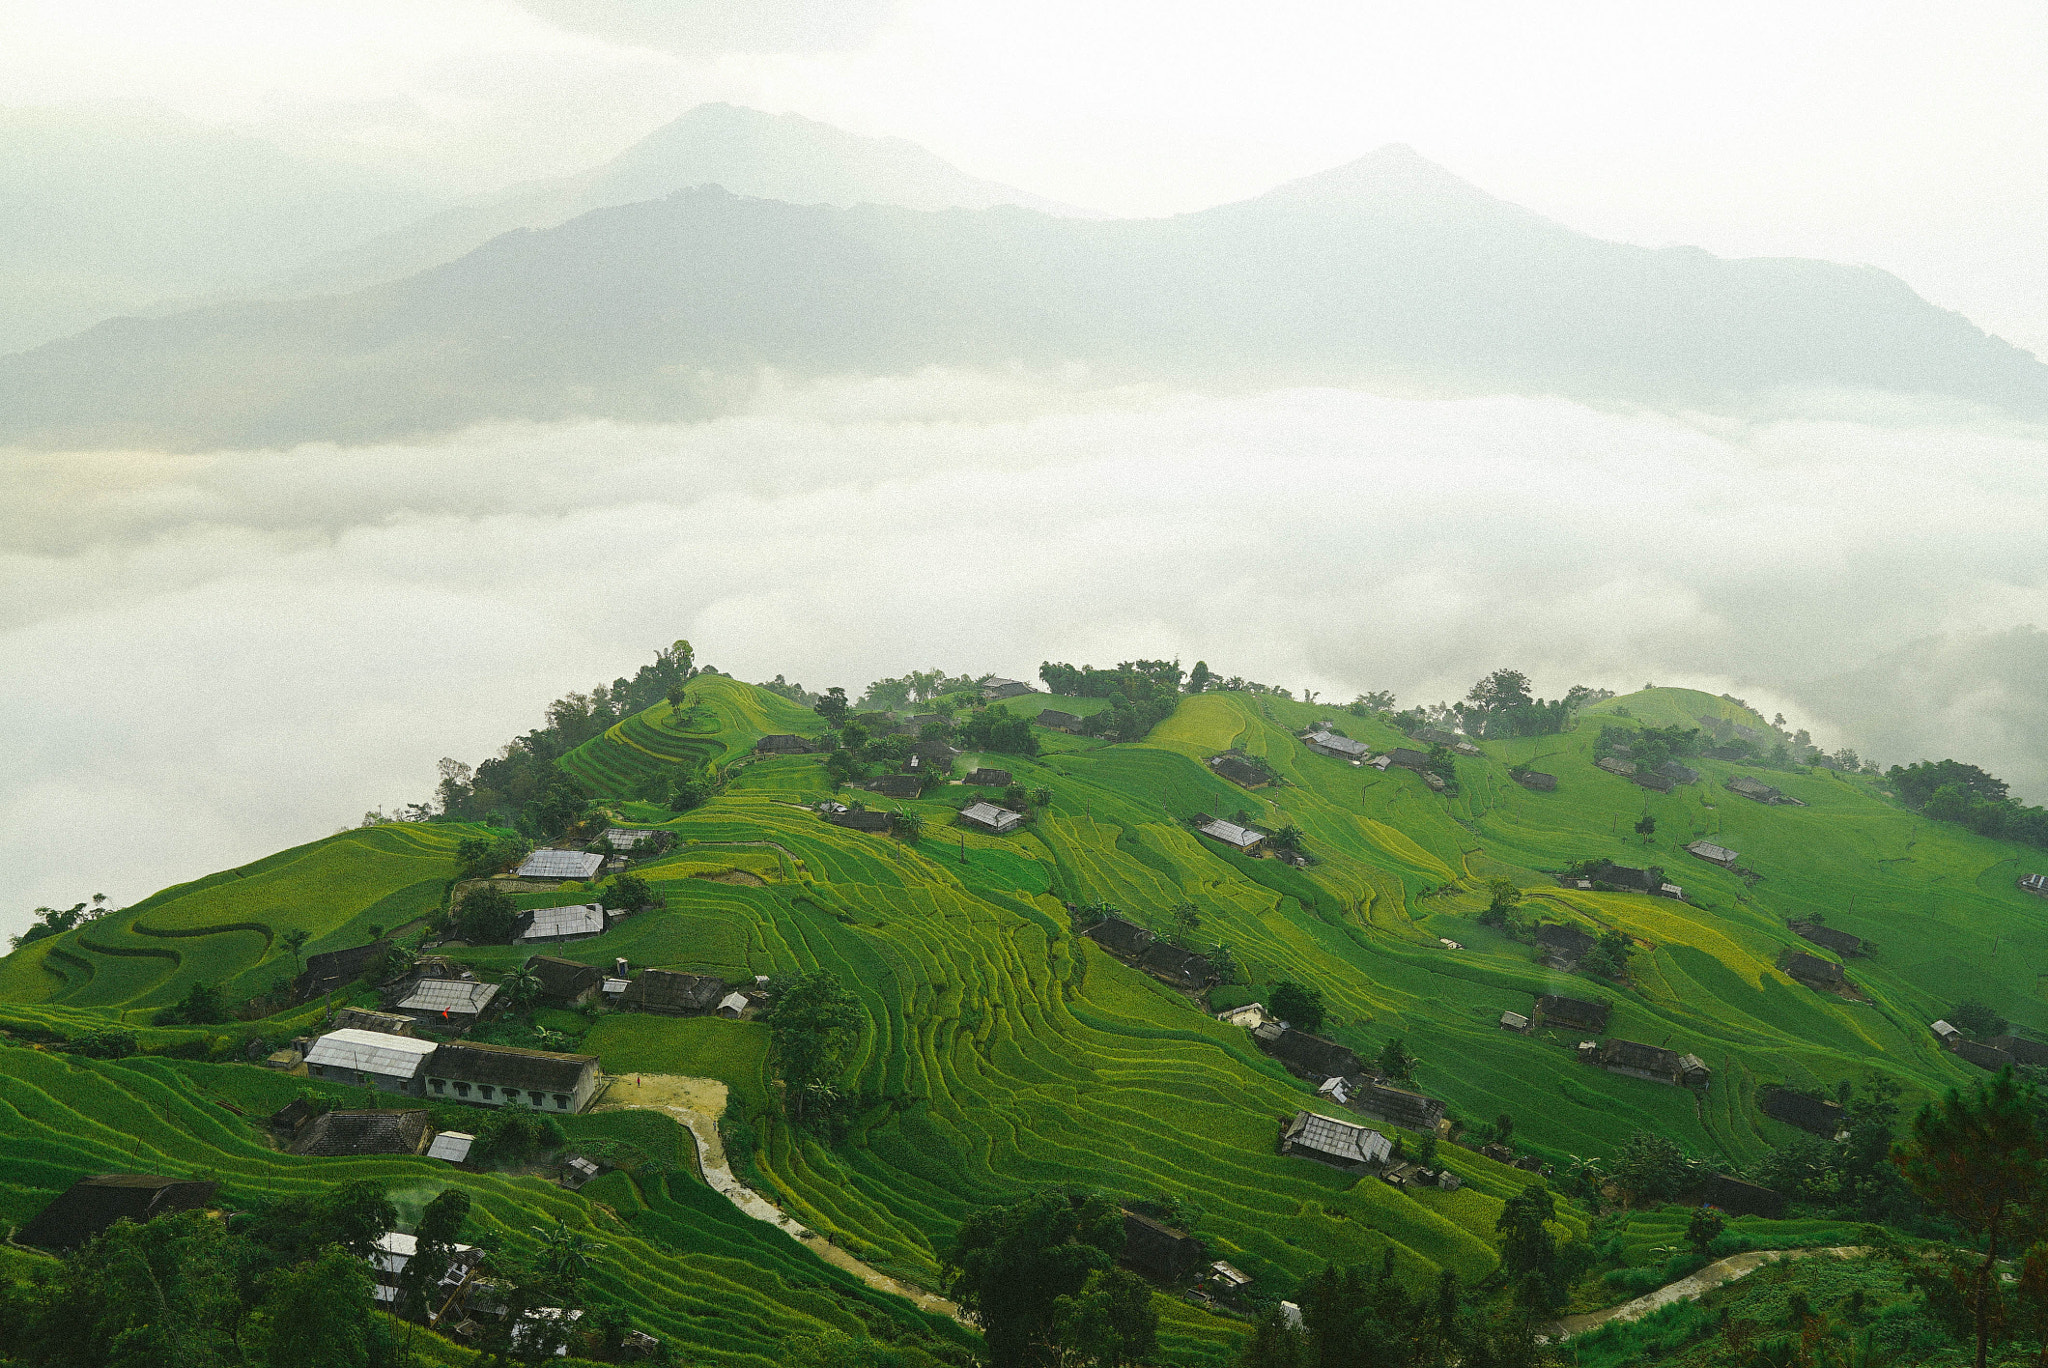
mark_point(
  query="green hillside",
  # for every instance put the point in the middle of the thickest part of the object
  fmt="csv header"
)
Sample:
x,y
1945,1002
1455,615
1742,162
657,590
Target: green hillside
x,y
1005,1053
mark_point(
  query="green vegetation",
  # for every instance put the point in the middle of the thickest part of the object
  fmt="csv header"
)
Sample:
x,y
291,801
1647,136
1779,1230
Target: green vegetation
x,y
974,1050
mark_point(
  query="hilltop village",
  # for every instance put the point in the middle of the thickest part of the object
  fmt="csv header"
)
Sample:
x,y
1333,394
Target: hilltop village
x,y
726,1018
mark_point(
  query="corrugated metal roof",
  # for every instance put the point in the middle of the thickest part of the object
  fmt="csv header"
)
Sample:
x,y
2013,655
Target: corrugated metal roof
x,y
577,919
1340,1139
449,995
616,985
1230,833
371,1052
561,864
452,1146
989,815
736,1001
625,839
1342,744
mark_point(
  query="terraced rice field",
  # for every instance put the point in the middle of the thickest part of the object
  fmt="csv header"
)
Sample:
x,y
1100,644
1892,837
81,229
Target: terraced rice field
x,y
1005,1052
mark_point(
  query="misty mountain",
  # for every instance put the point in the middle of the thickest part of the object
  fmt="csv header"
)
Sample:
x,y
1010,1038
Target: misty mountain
x,y
768,156
1386,272
104,210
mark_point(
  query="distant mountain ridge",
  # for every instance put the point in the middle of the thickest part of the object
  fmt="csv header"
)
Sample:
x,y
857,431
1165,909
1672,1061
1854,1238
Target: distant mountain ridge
x,y
1389,271
748,152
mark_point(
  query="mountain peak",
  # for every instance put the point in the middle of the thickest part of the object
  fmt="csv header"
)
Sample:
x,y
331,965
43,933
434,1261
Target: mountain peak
x,y
1393,175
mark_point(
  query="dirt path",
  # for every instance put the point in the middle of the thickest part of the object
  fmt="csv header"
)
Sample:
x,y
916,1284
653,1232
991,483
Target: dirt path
x,y
698,1103
1685,1289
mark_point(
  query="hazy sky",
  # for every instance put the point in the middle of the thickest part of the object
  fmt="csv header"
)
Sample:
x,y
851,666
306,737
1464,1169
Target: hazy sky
x,y
1911,136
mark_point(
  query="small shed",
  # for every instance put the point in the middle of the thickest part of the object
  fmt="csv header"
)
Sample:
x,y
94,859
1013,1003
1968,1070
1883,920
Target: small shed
x,y
2036,884
1946,1033
1244,840
565,983
552,925
347,1134
577,1171
90,1205
548,863
1251,1016
1341,1144
669,992
289,1119
990,818
1514,1021
733,1006
1713,854
452,1146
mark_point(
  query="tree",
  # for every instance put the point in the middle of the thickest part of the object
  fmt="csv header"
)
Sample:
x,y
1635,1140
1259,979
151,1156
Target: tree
x,y
1187,918
521,987
202,1005
295,943
1980,1160
1503,1128
1976,1020
1109,1322
630,892
1275,1343
1704,1228
908,825
1015,798
438,1232
486,916
320,1314
1529,1259
1299,1005
566,1255
1012,1265
833,708
1651,1167
1286,838
688,792
1505,898
1646,827
813,1029
1041,797
1395,1062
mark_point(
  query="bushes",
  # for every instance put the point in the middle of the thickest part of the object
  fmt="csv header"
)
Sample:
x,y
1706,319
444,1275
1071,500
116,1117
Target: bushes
x,y
486,916
105,1044
510,1136
202,1005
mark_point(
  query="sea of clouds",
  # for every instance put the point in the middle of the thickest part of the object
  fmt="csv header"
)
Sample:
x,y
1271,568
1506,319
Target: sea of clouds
x,y
207,658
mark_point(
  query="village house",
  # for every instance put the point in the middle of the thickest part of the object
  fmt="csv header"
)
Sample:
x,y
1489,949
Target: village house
x,y
288,1120
1677,773
1514,1021
1738,1198
452,1146
1463,747
553,925
1652,1062
332,970
1565,945
875,823
1841,942
1244,840
1987,1057
782,743
1340,1144
1052,719
1616,765
1409,759
1813,971
988,778
391,1254
2022,1050
897,785
1337,747
1436,736
363,1019
1945,1033
995,689
548,863
1712,854
1182,968
370,1059
501,1076
446,1003
1536,780
1396,1106
1239,771
1653,781
1251,1016
622,839
1306,1056
1576,1014
576,1171
1804,1110
91,1205
349,1134
1124,939
1759,792
669,992
565,983
733,1006
1155,1250
990,818
2036,884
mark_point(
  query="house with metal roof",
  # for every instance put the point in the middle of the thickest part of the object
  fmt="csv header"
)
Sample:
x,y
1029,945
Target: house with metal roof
x,y
1804,1110
1575,1014
370,1059
1712,854
669,992
548,863
1615,765
1337,747
1340,1144
995,688
1514,1021
452,1146
91,1205
2036,884
1396,1106
1944,1032
447,1002
1244,840
395,1250
1251,1016
733,1006
502,1076
343,1134
989,817
552,925
565,983
623,838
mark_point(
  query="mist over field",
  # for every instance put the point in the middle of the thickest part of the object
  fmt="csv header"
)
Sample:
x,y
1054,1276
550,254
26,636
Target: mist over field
x,y
226,653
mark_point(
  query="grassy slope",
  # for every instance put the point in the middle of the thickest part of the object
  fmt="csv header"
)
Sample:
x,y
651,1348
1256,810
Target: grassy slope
x,y
1007,1053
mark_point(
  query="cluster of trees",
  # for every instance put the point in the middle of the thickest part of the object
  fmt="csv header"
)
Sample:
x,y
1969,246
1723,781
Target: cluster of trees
x,y
1041,1276
476,856
1502,704
995,729
815,1029
917,688
486,915
522,786
53,921
1300,1005
203,1005
1142,693
1851,1177
1951,791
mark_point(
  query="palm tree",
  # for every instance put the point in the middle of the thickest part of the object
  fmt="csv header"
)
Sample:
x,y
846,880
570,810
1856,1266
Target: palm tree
x,y
295,941
565,1254
521,986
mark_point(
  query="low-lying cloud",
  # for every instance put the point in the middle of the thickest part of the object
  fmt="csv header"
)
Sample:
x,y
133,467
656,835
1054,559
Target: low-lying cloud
x,y
207,658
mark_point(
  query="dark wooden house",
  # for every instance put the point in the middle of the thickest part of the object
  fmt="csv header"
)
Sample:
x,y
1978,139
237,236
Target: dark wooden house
x,y
1306,1056
2022,1050
1813,971
1827,938
330,971
90,1205
1536,780
1565,945
1738,1198
784,744
342,1134
565,983
864,820
897,785
1396,1106
1240,772
1182,968
1804,1110
669,992
1124,939
1052,719
1158,1251
1575,1014
988,778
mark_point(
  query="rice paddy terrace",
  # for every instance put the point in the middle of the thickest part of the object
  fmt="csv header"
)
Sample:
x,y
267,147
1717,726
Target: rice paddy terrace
x,y
1005,1052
